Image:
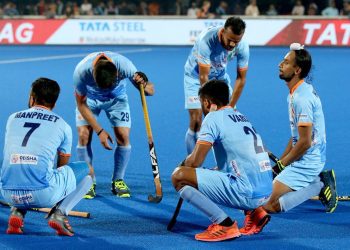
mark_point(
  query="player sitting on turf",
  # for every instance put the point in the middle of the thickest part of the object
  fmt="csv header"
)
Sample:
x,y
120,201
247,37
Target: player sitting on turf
x,y
305,155
29,177
244,177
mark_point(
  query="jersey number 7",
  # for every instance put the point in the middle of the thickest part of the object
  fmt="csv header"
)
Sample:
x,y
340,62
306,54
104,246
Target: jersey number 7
x,y
33,126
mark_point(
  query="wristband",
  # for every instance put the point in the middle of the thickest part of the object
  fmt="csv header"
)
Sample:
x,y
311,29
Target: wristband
x,y
99,132
280,165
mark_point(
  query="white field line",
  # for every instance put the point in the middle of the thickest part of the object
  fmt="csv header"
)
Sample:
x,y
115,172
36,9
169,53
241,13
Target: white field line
x,y
47,58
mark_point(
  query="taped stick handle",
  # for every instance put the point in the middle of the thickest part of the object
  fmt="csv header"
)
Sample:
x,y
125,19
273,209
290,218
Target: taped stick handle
x,y
273,157
340,198
153,155
145,114
46,210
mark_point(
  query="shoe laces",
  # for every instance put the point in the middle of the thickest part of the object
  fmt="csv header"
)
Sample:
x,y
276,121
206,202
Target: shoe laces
x,y
121,185
92,189
248,220
66,224
213,227
60,216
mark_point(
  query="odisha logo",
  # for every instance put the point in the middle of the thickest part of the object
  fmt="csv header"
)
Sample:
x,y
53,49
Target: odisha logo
x,y
27,158
14,158
23,159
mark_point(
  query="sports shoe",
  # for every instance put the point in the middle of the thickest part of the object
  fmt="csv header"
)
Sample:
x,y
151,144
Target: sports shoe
x,y
215,232
254,221
328,194
91,193
15,224
59,222
120,189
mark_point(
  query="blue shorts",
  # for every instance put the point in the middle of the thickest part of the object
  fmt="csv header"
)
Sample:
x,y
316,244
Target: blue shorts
x,y
62,183
116,109
299,175
223,189
191,88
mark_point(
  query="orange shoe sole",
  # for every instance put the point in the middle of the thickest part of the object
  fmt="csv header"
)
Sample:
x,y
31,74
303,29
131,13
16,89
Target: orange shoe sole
x,y
228,237
15,225
59,229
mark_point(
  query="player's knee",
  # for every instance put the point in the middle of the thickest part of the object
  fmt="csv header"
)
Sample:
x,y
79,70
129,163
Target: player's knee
x,y
196,117
177,177
84,135
123,140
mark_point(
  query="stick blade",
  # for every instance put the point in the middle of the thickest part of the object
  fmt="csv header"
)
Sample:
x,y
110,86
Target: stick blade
x,y
154,199
171,224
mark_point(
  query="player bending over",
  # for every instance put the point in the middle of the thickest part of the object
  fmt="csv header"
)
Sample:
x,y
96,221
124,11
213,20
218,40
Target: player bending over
x,y
29,177
305,155
243,179
100,84
208,60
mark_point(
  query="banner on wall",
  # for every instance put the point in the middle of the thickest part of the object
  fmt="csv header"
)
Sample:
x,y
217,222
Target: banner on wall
x,y
260,32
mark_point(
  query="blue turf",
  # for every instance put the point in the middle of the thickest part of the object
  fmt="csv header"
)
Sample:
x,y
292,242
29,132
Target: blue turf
x,y
138,224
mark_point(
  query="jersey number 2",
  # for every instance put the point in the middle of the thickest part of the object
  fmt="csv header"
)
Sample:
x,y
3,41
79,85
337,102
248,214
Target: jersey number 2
x,y
32,126
248,130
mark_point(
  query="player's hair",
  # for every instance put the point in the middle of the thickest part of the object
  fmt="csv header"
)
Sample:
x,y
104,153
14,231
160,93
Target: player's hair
x,y
304,61
216,91
236,24
105,73
45,92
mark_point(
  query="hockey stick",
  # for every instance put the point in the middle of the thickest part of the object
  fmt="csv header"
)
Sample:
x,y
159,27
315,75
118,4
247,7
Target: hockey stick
x,y
340,198
46,210
152,152
172,222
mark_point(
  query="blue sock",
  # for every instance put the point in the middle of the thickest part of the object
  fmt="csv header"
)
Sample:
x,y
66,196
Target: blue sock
x,y
295,198
74,197
121,160
84,153
190,140
204,204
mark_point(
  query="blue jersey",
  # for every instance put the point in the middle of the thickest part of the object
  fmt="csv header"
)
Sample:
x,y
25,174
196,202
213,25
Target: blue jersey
x,y
238,150
305,109
208,51
33,139
85,84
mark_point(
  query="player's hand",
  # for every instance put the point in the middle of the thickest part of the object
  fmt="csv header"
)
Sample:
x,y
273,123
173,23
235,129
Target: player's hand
x,y
140,78
278,168
104,138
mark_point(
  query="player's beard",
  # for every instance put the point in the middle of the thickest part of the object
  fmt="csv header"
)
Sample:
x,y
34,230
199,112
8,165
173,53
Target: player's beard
x,y
287,78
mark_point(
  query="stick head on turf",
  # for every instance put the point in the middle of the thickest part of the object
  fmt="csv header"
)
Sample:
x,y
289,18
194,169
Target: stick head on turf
x,y
154,199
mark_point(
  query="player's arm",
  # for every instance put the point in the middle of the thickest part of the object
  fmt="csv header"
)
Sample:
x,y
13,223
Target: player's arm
x,y
197,157
141,78
89,117
302,145
62,159
204,70
288,148
239,85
